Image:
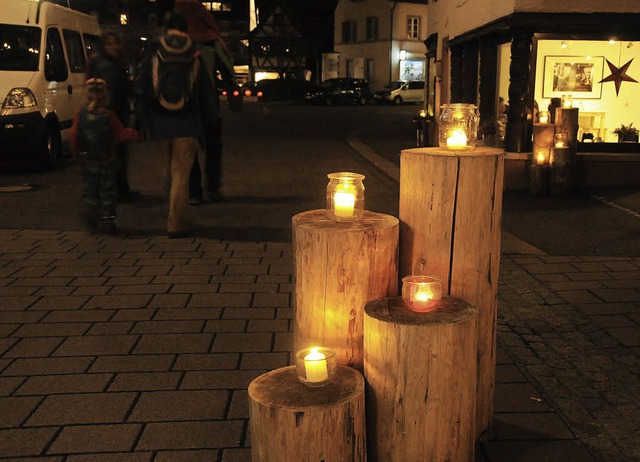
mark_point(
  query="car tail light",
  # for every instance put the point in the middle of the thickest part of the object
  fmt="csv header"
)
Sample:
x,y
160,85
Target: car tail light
x,y
247,92
224,92
259,94
236,93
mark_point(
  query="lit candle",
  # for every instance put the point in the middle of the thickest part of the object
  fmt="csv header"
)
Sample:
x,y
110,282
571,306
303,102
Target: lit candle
x,y
315,366
421,293
422,298
457,140
543,118
540,158
423,113
567,101
344,200
559,144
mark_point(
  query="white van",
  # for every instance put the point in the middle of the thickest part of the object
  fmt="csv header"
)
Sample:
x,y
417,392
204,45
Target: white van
x,y
43,59
401,91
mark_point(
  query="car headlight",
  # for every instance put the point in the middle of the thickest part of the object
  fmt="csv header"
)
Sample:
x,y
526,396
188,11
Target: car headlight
x,y
19,98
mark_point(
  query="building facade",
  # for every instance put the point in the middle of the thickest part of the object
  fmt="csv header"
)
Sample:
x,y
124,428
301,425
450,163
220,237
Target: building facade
x,y
381,40
529,51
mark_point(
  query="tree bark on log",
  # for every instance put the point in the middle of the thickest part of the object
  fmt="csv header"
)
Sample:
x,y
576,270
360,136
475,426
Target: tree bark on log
x,y
450,227
291,422
339,267
421,375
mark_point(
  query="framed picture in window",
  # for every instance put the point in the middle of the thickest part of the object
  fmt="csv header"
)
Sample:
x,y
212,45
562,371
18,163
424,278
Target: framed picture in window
x,y
577,76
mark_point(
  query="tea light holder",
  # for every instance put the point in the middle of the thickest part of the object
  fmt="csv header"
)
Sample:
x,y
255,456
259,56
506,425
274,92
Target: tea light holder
x,y
560,140
421,293
544,117
345,196
458,126
315,366
567,101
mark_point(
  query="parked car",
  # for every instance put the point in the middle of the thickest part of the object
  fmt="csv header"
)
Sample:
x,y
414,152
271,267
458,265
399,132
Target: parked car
x,y
341,90
276,89
401,91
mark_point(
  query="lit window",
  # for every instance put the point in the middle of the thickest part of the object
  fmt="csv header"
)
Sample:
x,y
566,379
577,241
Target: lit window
x,y
123,19
413,27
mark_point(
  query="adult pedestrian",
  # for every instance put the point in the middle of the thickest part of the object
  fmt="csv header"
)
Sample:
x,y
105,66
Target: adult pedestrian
x,y
206,174
107,64
173,95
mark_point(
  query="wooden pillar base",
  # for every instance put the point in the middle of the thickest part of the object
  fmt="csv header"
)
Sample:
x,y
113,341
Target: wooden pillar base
x,y
339,267
421,375
450,223
561,178
291,422
539,180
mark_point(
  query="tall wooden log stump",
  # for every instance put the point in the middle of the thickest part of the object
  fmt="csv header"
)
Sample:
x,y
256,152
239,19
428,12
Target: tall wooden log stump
x,y
421,376
450,227
338,268
291,422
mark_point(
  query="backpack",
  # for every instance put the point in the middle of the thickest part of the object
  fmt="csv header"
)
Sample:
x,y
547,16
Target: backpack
x,y
95,140
174,70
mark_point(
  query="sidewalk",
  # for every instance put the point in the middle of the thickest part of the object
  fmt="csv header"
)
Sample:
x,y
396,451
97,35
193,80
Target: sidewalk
x,y
141,349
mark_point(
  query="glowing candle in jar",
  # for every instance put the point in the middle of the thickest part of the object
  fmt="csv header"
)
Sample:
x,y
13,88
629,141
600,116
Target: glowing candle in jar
x,y
540,158
458,139
543,117
421,293
315,366
567,101
344,200
423,113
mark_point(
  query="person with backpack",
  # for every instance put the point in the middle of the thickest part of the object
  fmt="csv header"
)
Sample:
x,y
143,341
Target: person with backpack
x,y
95,135
107,64
173,95
206,174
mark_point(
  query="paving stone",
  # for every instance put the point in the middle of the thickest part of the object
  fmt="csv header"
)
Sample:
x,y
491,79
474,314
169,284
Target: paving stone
x,y
7,344
268,325
187,313
119,301
518,397
628,336
187,456
234,279
9,384
16,410
33,347
529,426
254,288
111,328
113,457
16,302
133,363
91,290
203,380
173,343
140,289
158,327
25,441
617,295
197,269
234,342
169,301
121,271
146,381
579,296
96,438
161,269
191,435
508,373
42,282
57,329
283,341
239,408
236,455
537,451
264,360
134,315
68,383
45,366
616,320
215,361
607,308
95,345
9,292
220,300
82,409
89,281
226,325
64,302
79,316
266,300
249,313
162,406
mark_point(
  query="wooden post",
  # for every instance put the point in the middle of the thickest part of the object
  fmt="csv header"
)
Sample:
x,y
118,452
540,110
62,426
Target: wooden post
x,y
339,267
451,217
542,141
539,180
567,122
421,377
291,422
563,167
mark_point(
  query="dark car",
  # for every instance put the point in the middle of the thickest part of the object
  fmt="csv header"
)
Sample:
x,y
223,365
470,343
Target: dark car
x,y
341,90
276,89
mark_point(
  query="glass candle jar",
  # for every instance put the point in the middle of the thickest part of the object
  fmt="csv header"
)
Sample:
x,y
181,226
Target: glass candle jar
x,y
458,127
315,366
567,101
560,140
421,293
345,196
544,117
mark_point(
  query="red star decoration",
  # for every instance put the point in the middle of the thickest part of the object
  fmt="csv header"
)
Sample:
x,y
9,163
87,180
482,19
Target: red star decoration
x,y
618,75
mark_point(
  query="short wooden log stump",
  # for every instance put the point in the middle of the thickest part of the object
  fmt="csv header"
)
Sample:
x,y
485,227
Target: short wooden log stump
x,y
421,375
539,180
338,268
291,422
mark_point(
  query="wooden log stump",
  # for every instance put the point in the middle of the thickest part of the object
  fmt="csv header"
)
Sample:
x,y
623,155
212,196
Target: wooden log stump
x,y
450,227
291,422
561,177
539,180
567,122
542,142
421,376
338,268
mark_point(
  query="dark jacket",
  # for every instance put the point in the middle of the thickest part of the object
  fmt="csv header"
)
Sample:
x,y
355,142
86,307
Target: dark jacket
x,y
113,71
160,123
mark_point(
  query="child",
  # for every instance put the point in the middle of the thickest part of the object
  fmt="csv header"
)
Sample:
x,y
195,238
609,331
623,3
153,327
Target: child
x,y
95,133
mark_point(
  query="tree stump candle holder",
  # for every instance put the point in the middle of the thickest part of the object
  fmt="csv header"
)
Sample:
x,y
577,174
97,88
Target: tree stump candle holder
x,y
291,422
339,267
450,227
421,375
539,180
